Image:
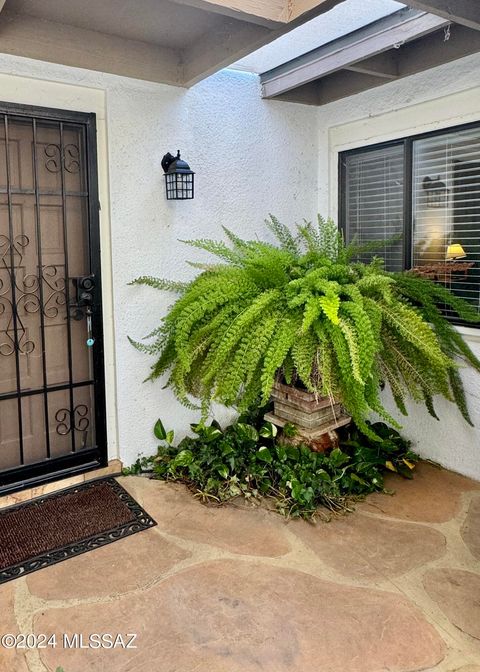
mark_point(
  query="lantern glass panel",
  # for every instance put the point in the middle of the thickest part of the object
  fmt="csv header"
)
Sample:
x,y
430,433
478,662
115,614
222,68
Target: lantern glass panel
x,y
179,186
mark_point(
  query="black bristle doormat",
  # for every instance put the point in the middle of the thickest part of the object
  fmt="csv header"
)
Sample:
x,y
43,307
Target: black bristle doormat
x,y
53,528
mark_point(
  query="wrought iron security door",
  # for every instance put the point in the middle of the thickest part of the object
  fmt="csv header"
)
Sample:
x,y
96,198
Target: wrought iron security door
x,y
52,405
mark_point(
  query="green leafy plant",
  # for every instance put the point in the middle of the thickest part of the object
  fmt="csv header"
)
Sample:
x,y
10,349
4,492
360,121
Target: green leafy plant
x,y
303,309
143,464
248,460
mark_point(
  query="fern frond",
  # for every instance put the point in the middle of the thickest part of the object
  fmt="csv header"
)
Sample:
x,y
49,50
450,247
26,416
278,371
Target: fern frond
x,y
353,347
330,305
275,353
304,350
301,308
159,283
235,331
283,235
459,395
415,330
215,247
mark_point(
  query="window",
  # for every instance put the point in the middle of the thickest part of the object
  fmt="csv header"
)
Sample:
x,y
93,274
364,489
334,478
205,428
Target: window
x,y
422,194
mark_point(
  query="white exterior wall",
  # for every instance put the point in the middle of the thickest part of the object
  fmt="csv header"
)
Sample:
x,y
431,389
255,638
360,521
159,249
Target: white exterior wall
x,y
439,98
251,157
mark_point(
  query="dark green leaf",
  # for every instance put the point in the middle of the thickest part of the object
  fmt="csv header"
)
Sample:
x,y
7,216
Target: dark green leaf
x,y
159,430
247,431
183,459
268,430
223,471
264,454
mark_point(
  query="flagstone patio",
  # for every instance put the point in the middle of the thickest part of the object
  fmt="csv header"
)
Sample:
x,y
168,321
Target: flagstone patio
x,y
395,586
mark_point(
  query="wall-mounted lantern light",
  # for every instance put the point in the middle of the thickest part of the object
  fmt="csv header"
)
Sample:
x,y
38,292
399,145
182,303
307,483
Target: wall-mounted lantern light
x,y
436,192
178,177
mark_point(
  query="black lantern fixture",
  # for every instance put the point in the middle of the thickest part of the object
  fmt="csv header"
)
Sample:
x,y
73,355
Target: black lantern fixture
x,y
436,192
178,177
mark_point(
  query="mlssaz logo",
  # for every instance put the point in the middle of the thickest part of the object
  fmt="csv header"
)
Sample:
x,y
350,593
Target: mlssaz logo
x,y
99,641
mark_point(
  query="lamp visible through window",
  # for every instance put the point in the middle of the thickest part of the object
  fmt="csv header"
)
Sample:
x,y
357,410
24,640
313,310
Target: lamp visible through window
x,y
455,251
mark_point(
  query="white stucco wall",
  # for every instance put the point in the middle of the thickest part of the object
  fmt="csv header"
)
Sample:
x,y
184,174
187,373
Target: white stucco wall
x,y
251,157
438,98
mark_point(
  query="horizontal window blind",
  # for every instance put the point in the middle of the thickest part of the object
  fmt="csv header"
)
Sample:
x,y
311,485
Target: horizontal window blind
x,y
446,211
374,201
440,215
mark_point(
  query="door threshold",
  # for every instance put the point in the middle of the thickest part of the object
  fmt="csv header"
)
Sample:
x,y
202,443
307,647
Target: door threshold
x,y
27,490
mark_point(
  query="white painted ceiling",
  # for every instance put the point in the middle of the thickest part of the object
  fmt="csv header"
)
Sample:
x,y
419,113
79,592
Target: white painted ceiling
x,y
342,19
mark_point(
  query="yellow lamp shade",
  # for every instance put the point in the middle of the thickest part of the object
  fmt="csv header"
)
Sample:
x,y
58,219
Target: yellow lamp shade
x,y
455,251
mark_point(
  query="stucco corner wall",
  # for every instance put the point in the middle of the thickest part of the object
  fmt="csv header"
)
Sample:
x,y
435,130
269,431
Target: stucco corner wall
x,y
251,157
439,98
449,441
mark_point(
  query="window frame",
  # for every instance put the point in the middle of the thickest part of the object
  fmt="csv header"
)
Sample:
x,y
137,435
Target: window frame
x,y
407,142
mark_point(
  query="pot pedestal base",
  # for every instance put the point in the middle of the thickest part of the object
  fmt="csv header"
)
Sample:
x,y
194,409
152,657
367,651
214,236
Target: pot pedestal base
x,y
316,418
321,439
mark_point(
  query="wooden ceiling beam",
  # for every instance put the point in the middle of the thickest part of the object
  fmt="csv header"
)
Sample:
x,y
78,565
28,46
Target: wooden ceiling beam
x,y
227,44
27,36
234,40
429,52
435,50
383,65
464,12
296,8
365,43
307,94
269,13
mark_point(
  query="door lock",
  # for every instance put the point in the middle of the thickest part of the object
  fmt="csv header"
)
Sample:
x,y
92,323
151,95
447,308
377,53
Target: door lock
x,y
85,286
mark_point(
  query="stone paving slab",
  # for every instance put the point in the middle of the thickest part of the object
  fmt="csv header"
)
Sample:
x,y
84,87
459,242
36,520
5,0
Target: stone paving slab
x,y
457,593
471,528
243,616
364,547
385,589
11,660
134,562
230,528
433,496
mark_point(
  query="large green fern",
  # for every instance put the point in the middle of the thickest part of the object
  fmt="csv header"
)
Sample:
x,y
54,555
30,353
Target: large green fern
x,y
304,310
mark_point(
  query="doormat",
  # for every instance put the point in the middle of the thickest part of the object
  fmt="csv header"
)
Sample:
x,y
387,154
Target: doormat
x,y
50,529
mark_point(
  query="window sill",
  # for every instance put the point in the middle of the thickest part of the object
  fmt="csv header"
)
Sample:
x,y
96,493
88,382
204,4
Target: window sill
x,y
469,333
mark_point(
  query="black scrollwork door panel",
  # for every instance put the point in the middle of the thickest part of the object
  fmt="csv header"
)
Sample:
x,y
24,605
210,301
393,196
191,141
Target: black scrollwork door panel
x,y
7,343
56,290
20,328
18,276
49,367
